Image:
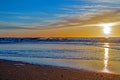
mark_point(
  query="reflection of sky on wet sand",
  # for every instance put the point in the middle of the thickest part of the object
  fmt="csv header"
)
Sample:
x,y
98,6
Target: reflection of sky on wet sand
x,y
103,57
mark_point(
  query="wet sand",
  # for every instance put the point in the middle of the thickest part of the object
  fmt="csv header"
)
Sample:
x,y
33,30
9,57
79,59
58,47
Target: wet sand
x,y
11,70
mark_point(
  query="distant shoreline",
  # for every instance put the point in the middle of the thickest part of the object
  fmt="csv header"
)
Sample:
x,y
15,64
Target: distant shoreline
x,y
93,40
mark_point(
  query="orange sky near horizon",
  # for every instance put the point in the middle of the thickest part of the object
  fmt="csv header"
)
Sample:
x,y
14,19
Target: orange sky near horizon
x,y
62,32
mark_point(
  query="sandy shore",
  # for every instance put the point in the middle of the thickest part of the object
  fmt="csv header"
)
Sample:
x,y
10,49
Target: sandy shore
x,y
10,70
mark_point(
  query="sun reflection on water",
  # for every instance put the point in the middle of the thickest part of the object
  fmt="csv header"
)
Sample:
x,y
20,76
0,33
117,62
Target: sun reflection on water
x,y
106,57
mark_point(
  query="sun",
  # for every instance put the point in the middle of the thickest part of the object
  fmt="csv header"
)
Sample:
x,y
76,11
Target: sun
x,y
106,28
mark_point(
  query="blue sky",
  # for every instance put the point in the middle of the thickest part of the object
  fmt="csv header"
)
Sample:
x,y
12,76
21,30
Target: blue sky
x,y
31,14
35,11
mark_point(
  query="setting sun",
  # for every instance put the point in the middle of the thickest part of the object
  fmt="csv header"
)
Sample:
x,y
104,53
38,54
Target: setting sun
x,y
107,28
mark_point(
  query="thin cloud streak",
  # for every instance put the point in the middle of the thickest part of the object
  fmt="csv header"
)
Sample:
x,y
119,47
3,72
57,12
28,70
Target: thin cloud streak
x,y
14,27
11,13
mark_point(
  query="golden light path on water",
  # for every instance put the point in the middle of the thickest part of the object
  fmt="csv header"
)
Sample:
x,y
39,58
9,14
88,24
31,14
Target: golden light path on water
x,y
106,57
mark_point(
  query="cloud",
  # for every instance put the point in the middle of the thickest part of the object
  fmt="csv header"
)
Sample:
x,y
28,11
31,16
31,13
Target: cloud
x,y
32,18
91,12
102,1
21,13
77,21
24,17
74,21
10,23
90,7
13,13
13,27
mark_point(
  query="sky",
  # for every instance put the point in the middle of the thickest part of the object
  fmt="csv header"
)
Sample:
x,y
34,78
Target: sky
x,y
59,18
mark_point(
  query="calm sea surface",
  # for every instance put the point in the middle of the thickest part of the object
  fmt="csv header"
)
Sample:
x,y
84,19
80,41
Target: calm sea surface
x,y
104,57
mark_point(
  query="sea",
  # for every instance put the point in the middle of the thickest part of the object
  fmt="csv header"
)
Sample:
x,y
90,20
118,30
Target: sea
x,y
94,56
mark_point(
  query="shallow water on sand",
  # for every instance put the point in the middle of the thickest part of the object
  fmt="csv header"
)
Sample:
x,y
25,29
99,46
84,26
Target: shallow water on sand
x,y
104,57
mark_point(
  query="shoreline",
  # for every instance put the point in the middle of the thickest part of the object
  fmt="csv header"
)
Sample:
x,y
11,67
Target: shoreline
x,y
15,70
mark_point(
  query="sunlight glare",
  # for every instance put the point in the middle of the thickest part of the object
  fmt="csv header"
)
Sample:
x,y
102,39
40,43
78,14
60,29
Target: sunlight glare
x,y
106,28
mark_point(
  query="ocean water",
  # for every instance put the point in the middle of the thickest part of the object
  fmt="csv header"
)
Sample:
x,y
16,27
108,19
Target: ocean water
x,y
103,57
